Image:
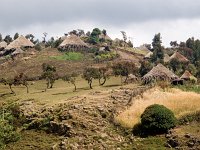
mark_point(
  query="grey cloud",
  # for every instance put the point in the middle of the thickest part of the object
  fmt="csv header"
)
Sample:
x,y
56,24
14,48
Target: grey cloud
x,y
22,13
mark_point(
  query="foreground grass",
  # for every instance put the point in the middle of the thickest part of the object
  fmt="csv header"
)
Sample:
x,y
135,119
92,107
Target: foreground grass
x,y
31,139
180,102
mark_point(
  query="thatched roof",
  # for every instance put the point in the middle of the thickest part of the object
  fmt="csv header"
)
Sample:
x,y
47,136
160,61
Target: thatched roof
x,y
21,41
159,72
179,57
187,75
73,40
17,51
3,44
166,58
148,55
106,37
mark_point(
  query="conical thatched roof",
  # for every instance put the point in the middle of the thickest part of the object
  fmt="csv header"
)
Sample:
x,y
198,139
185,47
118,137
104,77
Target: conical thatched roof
x,y
179,57
159,72
3,44
21,41
73,40
186,75
17,51
166,58
106,37
148,55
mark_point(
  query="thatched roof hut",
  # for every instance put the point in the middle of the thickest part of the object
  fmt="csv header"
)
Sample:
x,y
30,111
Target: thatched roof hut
x,y
166,58
17,52
3,45
21,41
73,42
187,76
159,72
106,37
147,56
179,57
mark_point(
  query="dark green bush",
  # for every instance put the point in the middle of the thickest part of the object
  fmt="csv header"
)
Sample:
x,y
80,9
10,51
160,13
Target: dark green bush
x,y
157,119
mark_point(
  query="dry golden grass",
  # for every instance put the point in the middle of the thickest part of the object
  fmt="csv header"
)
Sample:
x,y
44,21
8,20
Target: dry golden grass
x,y
178,101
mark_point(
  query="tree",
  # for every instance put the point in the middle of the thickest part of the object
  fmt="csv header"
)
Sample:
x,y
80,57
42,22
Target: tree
x,y
30,37
124,35
130,44
176,66
88,34
104,32
8,39
158,54
123,69
174,44
49,73
103,75
80,32
89,74
73,32
16,36
71,78
44,37
1,38
190,43
20,79
145,67
191,68
94,37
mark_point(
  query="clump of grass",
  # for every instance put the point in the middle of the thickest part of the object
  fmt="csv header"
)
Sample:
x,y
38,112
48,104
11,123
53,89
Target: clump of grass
x,y
189,87
180,102
75,56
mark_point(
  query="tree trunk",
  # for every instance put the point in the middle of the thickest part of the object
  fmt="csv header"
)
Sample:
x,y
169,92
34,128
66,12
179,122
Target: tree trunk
x,y
27,90
74,87
10,86
121,80
104,81
90,83
126,79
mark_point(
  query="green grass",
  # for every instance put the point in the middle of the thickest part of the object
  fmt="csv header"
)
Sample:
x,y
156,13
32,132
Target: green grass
x,y
60,92
34,140
74,56
149,143
190,87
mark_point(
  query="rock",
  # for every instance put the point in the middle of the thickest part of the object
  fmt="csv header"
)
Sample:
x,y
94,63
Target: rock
x,y
60,128
167,145
187,135
168,136
190,144
173,142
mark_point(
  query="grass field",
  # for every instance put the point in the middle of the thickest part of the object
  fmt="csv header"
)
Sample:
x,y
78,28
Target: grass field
x,y
75,56
59,93
180,102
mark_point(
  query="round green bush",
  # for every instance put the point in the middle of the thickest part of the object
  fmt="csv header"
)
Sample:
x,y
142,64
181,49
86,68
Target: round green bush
x,y
157,119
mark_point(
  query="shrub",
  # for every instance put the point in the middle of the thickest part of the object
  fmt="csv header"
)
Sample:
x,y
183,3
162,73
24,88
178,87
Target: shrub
x,y
157,119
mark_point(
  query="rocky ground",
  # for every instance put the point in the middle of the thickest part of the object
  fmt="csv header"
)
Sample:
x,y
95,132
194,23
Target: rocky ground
x,y
84,122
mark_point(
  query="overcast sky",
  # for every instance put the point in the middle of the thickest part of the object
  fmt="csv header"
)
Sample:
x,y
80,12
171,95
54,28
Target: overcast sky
x,y
140,19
